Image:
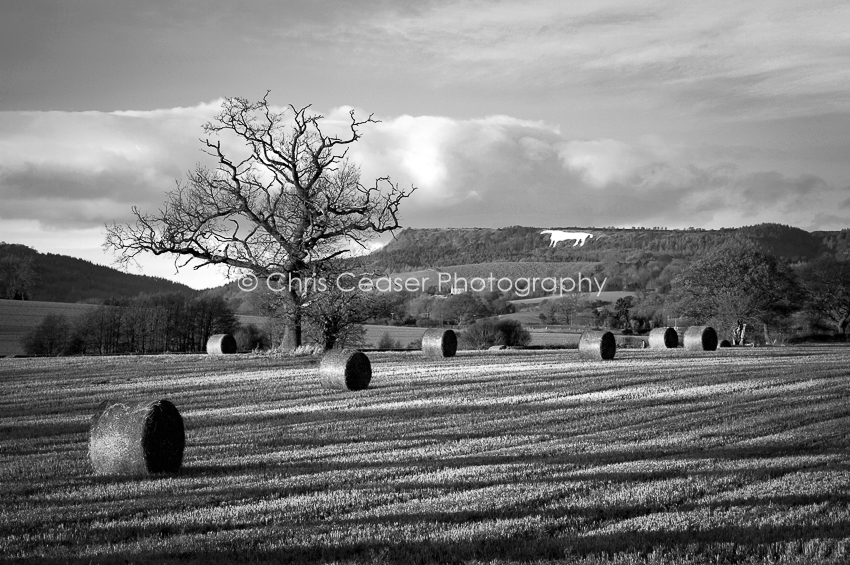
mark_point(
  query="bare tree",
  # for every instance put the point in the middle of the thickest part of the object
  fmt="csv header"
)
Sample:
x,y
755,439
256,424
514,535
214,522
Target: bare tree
x,y
286,207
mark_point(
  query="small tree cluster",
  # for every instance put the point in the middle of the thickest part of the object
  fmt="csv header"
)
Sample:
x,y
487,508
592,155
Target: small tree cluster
x,y
735,286
49,338
826,287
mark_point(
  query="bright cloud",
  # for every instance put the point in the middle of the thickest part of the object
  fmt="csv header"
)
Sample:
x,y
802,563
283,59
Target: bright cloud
x,y
83,168
602,162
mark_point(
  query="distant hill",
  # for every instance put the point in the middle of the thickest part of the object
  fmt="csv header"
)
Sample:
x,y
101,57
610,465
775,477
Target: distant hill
x,y
631,259
432,248
67,279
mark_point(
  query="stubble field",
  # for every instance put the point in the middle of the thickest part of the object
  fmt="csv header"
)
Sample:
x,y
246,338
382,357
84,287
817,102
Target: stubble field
x,y
735,456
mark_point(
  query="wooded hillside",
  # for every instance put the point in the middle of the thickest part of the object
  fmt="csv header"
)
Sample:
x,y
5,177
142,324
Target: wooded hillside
x,y
420,248
59,278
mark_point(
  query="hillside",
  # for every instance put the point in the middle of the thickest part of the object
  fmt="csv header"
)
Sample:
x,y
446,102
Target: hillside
x,y
422,248
59,278
631,259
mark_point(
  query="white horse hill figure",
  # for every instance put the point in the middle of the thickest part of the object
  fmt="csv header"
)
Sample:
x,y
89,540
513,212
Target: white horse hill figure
x,y
556,236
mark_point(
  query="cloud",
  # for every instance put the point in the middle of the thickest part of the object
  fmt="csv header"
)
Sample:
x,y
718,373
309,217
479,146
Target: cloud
x,y
602,162
447,159
81,170
504,171
754,59
76,169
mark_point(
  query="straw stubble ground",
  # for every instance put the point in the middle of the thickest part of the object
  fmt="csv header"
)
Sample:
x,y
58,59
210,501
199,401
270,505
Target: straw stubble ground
x,y
724,457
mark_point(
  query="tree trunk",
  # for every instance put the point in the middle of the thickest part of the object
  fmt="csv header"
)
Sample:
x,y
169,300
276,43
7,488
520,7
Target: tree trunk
x,y
330,341
738,334
292,322
841,325
291,336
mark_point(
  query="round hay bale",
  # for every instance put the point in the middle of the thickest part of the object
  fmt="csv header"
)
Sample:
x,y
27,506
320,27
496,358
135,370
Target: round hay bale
x,y
663,338
136,438
439,343
597,345
221,344
724,343
700,338
497,348
345,369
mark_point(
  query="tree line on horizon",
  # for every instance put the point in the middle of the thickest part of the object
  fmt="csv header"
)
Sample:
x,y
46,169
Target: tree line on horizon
x,y
148,323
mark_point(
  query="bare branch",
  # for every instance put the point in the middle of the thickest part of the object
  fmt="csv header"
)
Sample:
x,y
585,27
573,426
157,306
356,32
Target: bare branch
x,y
289,203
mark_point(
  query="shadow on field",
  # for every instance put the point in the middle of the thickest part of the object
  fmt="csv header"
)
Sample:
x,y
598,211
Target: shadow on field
x,y
712,545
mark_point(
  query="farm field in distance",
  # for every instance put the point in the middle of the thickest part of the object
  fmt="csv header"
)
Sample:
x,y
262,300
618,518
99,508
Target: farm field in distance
x,y
734,456
17,317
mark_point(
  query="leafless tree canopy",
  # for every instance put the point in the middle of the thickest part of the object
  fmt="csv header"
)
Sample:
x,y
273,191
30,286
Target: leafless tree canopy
x,y
290,202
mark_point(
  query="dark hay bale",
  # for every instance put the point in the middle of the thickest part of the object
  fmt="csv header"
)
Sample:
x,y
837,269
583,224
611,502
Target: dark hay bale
x,y
345,369
663,338
597,345
221,344
700,338
724,343
136,438
439,343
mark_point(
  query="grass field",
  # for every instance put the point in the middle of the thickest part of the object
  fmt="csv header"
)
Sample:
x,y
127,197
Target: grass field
x,y
737,456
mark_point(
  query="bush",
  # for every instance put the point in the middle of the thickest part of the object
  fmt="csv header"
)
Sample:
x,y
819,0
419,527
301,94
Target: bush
x,y
387,342
511,333
480,335
49,337
251,338
486,333
817,338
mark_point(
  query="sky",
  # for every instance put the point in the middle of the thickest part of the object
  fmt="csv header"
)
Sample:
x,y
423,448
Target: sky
x,y
547,113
